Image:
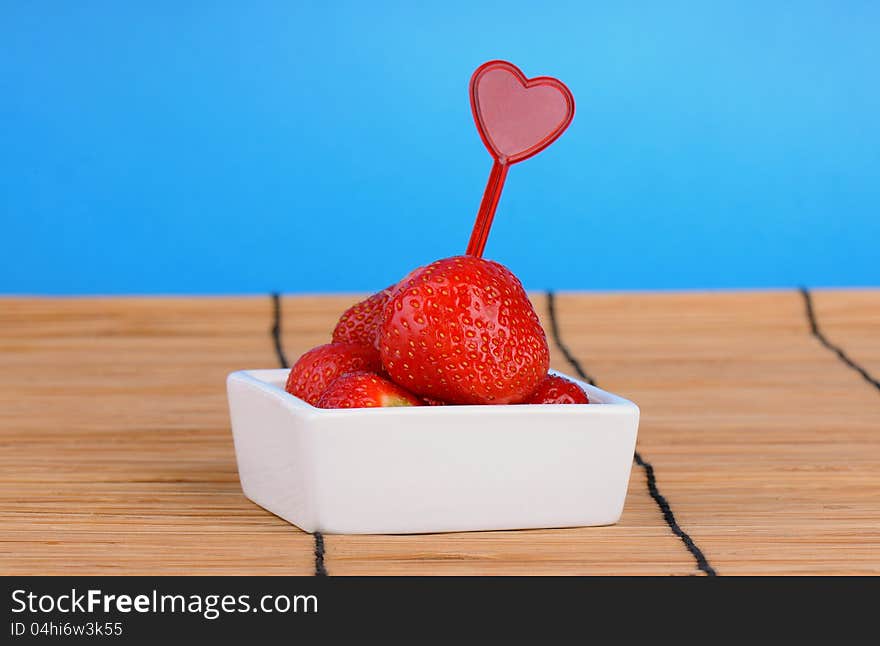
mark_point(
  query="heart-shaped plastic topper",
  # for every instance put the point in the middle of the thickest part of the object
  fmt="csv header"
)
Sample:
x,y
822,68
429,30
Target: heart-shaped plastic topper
x,y
518,117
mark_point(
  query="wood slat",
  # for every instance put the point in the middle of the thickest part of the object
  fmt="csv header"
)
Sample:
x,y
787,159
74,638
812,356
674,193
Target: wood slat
x,y
766,445
851,320
117,457
116,452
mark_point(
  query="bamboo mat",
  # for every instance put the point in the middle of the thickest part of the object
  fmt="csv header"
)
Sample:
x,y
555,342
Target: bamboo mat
x,y
764,442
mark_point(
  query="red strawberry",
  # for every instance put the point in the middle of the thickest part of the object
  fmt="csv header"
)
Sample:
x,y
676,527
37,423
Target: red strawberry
x,y
314,371
432,402
365,390
557,390
462,330
360,322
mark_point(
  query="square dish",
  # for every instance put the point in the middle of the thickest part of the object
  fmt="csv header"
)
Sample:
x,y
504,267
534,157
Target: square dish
x,y
410,470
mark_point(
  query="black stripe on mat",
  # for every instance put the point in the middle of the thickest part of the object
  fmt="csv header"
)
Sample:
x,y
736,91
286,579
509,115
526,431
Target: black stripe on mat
x,y
650,475
836,349
320,569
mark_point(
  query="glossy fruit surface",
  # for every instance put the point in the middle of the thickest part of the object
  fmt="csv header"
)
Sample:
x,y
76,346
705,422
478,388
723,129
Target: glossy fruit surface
x,y
462,330
557,390
318,367
365,390
360,323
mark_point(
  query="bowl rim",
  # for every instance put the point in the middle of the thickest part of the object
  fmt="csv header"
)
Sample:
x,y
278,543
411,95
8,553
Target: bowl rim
x,y
600,400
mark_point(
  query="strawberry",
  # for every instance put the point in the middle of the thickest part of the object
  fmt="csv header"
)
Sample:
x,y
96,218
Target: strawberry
x,y
365,390
360,322
314,371
557,390
462,330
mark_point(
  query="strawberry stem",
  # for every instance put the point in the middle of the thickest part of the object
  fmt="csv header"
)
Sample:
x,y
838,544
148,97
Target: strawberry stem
x,y
485,215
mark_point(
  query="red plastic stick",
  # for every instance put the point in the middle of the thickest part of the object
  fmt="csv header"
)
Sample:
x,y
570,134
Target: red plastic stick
x,y
517,118
487,209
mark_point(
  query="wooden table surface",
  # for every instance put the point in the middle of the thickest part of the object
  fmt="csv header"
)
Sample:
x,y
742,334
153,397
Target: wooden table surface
x,y
763,441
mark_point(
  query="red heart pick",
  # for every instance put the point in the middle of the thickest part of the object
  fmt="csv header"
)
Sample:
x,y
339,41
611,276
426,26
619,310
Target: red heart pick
x,y
518,117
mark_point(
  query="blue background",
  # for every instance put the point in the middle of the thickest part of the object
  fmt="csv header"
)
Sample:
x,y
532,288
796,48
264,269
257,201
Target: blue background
x,y
242,147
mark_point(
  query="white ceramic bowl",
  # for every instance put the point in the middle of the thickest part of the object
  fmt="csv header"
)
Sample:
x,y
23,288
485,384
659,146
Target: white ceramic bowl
x,y
423,469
